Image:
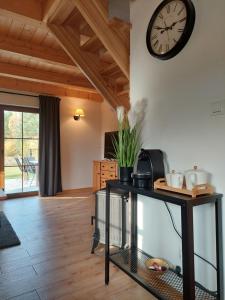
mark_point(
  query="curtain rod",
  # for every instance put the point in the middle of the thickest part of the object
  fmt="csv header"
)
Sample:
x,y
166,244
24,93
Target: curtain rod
x,y
19,94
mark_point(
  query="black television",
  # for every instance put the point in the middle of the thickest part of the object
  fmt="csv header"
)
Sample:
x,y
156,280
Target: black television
x,y
109,151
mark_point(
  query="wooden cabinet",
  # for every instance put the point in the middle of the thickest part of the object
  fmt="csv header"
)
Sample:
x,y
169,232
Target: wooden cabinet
x,y
103,170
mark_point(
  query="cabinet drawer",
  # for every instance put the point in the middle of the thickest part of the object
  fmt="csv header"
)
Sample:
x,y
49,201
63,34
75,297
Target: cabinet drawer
x,y
103,183
108,166
108,175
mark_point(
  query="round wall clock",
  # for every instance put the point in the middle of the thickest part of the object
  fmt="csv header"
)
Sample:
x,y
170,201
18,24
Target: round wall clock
x,y
170,28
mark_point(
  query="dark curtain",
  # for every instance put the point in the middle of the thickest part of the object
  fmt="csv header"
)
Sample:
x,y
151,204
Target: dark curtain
x,y
49,148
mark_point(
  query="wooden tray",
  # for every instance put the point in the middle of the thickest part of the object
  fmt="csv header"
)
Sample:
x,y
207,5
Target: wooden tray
x,y
198,190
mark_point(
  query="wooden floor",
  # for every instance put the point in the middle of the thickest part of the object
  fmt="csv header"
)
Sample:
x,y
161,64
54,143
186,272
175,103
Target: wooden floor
x,y
54,260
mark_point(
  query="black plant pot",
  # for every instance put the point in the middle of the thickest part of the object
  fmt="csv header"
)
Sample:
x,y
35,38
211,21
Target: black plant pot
x,y
125,174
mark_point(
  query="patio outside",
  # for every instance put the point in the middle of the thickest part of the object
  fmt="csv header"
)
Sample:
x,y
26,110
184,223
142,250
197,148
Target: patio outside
x,y
21,131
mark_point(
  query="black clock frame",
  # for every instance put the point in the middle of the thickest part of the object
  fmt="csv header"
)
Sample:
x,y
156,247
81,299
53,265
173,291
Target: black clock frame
x,y
183,39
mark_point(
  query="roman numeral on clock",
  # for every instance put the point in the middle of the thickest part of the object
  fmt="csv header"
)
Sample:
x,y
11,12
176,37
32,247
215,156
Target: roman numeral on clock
x,y
180,30
156,43
168,8
154,37
182,20
180,11
160,48
175,6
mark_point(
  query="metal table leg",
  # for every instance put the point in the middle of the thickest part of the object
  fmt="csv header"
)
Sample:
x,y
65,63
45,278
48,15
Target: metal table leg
x,y
133,233
219,249
188,252
96,234
107,233
124,221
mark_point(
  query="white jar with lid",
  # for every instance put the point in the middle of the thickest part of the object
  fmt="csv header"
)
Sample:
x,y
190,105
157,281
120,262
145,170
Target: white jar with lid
x,y
195,177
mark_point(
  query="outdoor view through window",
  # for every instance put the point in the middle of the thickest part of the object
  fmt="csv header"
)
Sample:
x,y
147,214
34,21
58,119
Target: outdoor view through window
x,y
21,133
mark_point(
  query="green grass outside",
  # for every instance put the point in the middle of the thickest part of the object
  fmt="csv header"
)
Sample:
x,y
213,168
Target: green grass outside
x,y
12,173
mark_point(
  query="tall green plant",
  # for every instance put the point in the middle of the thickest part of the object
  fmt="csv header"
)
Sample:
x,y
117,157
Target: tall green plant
x,y
128,144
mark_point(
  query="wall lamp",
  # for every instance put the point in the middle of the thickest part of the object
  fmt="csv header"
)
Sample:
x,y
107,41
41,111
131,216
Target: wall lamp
x,y
78,113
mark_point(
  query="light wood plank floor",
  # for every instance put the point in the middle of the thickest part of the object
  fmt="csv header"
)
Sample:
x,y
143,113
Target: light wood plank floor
x,y
54,260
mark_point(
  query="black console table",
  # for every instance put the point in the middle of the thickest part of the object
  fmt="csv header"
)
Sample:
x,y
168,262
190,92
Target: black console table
x,y
170,285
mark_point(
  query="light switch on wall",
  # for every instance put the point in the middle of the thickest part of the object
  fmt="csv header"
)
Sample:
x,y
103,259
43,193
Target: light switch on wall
x,y
218,108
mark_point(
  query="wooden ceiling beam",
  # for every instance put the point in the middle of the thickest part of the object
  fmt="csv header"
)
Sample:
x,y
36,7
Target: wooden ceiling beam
x,y
57,11
93,44
47,89
94,14
21,18
27,8
37,75
71,46
40,53
49,9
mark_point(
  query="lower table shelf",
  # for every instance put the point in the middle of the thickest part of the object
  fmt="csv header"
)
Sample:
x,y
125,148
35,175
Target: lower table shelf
x,y
168,286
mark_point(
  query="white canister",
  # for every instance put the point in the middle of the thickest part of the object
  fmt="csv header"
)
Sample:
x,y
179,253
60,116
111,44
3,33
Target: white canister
x,y
175,180
195,177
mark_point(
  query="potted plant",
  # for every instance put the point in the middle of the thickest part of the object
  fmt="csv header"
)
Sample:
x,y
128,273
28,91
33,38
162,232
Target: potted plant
x,y
127,145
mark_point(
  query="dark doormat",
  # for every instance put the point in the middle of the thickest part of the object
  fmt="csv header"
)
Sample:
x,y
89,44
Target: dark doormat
x,y
8,237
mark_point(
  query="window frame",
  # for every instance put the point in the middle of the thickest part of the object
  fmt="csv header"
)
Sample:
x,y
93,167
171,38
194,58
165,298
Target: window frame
x,y
21,109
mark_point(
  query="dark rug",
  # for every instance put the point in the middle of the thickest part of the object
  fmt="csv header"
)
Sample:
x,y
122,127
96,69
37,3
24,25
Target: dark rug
x,y
8,237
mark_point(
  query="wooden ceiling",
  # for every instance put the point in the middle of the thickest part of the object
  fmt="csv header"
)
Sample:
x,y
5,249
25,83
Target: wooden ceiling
x,y
64,48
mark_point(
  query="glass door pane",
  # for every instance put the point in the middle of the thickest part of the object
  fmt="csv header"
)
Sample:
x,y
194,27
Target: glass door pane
x,y
21,142
30,160
13,151
12,124
13,180
30,126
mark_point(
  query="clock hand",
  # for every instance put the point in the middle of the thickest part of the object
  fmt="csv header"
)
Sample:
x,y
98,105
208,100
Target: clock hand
x,y
165,29
171,26
158,28
174,23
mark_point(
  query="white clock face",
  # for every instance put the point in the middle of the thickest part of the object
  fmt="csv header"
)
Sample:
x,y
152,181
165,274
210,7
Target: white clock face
x,y
168,27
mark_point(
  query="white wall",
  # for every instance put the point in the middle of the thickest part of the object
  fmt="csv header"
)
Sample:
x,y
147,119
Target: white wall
x,y
83,141
80,142
178,121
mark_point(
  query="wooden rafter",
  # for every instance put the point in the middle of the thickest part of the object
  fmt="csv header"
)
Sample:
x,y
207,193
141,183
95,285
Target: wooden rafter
x,y
27,8
90,43
71,47
57,10
94,14
49,9
67,81
40,53
43,88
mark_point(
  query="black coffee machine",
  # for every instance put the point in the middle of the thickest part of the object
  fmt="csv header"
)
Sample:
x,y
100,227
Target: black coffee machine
x,y
150,161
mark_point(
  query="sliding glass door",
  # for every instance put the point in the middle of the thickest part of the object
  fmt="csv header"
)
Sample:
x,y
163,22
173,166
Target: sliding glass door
x,y
20,128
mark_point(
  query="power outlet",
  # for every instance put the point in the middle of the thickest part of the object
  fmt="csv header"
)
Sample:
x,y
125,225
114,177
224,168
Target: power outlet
x,y
218,108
